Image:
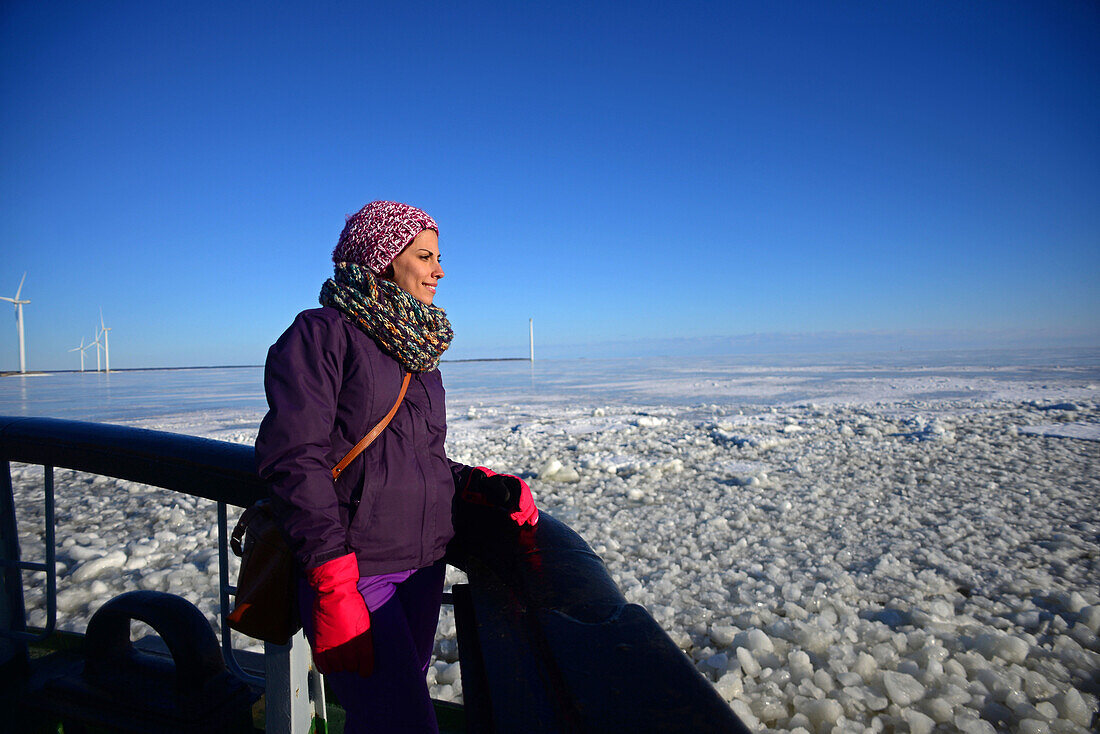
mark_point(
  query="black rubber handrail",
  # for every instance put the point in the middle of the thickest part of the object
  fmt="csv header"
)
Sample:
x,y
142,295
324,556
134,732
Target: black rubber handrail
x,y
216,470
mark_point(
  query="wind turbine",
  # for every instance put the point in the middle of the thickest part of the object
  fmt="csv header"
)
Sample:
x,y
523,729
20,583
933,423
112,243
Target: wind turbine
x,y
106,345
98,347
80,349
19,322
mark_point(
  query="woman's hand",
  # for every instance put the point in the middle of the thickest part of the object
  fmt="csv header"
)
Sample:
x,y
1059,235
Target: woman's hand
x,y
341,623
486,487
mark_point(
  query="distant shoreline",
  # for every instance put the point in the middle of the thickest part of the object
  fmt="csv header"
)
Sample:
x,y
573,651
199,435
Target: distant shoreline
x,y
41,373
1019,356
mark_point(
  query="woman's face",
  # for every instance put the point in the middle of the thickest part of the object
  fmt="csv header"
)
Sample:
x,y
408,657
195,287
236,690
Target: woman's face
x,y
417,268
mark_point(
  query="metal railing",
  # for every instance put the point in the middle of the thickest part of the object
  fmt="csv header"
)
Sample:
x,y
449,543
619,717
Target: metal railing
x,y
214,470
546,640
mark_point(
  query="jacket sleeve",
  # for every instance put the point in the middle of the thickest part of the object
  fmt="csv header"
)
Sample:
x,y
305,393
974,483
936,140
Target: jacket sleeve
x,y
302,380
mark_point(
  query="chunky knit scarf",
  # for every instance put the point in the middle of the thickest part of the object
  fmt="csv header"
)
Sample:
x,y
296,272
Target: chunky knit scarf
x,y
413,333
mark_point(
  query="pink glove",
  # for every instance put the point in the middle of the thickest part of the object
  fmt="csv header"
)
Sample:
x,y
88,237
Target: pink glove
x,y
486,487
341,623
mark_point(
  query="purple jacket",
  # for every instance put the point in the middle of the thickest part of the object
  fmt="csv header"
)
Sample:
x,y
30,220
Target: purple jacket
x,y
327,385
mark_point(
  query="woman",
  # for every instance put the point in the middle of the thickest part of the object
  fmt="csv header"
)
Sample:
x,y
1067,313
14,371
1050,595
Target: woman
x,y
370,543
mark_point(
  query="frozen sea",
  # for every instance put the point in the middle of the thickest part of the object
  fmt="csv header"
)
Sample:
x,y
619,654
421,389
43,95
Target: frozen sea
x,y
878,542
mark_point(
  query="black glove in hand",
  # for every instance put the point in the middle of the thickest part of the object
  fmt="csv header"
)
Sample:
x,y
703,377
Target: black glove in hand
x,y
492,490
501,490
486,487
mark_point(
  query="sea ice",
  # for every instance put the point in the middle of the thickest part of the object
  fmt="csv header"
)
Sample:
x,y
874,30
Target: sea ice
x,y
905,556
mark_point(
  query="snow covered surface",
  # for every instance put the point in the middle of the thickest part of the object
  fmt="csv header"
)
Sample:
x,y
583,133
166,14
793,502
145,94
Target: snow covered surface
x,y
903,544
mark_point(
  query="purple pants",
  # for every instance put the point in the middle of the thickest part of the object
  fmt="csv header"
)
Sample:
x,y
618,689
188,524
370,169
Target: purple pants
x,y
395,697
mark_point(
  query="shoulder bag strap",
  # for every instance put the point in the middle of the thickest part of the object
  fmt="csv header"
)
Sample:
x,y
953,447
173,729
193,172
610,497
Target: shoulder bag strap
x,y
236,541
366,440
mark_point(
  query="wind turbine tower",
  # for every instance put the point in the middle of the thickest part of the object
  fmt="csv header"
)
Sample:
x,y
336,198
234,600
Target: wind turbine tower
x,y
80,349
98,347
19,322
106,345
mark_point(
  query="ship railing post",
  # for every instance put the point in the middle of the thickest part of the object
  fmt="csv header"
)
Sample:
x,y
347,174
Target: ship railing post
x,y
13,649
288,705
13,612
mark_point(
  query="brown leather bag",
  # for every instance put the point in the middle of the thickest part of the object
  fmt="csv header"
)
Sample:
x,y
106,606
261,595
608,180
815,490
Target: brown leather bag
x,y
265,605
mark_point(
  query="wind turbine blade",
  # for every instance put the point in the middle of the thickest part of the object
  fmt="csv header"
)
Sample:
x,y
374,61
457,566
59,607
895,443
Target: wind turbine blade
x,y
101,324
5,298
20,290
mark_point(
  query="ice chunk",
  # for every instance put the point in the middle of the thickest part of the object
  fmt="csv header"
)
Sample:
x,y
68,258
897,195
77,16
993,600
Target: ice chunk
x,y
768,707
549,469
823,680
80,553
729,686
970,724
1011,648
73,600
748,662
1090,617
918,722
448,650
681,638
876,702
567,475
1048,710
142,548
717,663
758,642
743,712
814,639
941,710
849,680
942,610
718,524
823,714
799,664
865,666
92,569
902,688
1072,706
1076,602
448,674
722,635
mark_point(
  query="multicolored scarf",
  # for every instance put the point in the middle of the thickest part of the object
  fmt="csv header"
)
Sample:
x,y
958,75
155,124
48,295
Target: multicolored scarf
x,y
413,333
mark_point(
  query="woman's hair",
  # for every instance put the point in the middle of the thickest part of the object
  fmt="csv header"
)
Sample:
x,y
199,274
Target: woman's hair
x,y
378,232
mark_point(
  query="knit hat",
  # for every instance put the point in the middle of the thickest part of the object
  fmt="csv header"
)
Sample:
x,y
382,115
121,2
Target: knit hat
x,y
379,232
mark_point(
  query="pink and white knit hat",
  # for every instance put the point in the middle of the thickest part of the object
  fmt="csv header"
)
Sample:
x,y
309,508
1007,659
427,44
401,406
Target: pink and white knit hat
x,y
378,232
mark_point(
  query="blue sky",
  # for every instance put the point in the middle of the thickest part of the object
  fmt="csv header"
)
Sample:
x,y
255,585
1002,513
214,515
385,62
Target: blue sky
x,y
649,174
